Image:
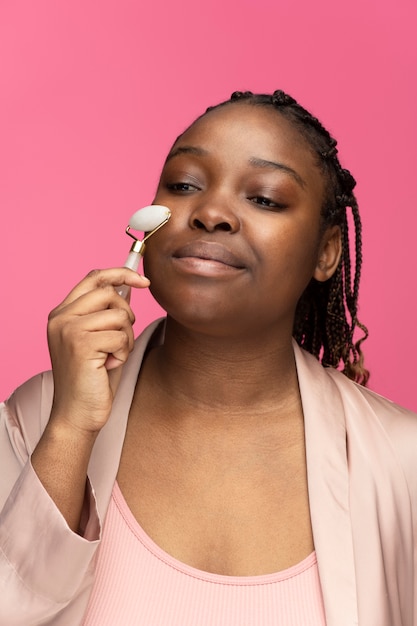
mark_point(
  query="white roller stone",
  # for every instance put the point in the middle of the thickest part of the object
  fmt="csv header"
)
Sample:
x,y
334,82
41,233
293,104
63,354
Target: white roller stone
x,y
149,217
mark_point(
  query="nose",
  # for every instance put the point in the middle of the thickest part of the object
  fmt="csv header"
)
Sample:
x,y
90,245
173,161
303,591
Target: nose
x,y
211,215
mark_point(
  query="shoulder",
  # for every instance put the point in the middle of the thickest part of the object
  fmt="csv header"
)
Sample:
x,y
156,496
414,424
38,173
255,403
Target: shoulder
x,y
391,415
367,414
355,395
377,421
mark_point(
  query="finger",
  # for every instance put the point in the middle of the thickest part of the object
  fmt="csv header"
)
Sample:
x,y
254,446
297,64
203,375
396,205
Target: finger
x,y
107,319
112,363
100,278
110,319
80,334
100,298
98,346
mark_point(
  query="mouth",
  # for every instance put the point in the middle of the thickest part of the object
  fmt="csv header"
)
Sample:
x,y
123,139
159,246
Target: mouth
x,y
208,257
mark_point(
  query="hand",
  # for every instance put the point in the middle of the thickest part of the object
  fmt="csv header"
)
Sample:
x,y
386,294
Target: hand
x,y
90,336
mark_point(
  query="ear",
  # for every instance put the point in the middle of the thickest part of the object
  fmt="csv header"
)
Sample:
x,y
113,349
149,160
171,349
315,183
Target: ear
x,y
329,254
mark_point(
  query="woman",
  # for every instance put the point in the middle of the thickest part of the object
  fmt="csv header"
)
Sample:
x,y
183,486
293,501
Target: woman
x,y
213,472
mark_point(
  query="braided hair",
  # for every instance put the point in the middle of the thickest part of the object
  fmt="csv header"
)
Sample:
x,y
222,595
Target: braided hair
x,y
326,315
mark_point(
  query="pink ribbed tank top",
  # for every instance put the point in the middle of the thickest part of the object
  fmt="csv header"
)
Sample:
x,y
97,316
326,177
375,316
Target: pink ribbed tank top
x,y
138,584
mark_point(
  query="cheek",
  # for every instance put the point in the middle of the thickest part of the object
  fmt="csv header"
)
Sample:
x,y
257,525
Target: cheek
x,y
289,264
160,284
151,263
294,247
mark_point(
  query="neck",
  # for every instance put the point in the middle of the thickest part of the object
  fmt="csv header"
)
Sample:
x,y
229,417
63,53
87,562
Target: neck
x,y
233,375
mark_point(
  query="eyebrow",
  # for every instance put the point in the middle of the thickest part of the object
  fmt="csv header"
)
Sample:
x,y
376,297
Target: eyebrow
x,y
262,163
254,161
186,150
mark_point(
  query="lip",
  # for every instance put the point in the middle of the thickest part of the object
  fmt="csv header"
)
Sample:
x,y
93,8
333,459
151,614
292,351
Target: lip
x,y
211,252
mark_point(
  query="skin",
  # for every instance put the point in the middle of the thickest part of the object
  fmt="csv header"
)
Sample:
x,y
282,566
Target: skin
x,y
91,323
222,198
217,409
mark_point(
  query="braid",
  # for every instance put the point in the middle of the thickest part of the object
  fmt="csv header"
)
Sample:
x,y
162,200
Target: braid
x,y
326,317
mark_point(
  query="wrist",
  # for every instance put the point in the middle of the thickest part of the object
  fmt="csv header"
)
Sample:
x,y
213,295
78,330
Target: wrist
x,y
62,428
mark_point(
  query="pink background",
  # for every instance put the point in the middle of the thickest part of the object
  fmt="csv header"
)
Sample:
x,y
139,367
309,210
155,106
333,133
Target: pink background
x,y
93,93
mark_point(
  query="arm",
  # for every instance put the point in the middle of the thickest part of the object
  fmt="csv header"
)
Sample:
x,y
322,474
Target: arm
x,y
49,526
90,336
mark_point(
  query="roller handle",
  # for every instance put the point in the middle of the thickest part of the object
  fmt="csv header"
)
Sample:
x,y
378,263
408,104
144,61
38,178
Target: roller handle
x,y
132,262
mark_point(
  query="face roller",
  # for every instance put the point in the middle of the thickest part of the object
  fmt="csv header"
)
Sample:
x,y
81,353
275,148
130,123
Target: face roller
x,y
148,220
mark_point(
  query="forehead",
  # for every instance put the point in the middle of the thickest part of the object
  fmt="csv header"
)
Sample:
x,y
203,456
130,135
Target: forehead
x,y
251,131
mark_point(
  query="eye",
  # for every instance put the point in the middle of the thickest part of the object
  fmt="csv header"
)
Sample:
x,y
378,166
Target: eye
x,y
266,202
182,187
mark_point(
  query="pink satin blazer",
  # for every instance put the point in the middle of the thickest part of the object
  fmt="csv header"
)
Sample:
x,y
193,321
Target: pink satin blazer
x,y
362,477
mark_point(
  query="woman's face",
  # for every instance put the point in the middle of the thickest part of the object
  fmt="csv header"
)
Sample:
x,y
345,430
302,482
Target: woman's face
x,y
244,237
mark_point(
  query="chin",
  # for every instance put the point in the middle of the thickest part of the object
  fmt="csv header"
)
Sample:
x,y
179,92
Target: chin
x,y
199,312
